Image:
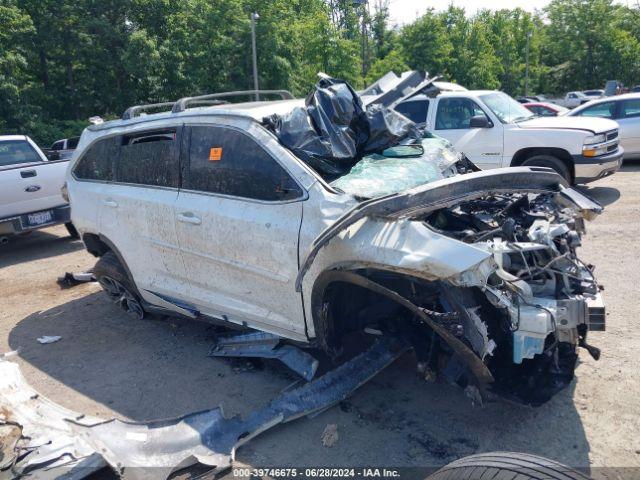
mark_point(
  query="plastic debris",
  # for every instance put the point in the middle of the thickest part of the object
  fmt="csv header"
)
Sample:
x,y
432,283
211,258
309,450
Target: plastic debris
x,y
330,435
49,339
334,130
72,279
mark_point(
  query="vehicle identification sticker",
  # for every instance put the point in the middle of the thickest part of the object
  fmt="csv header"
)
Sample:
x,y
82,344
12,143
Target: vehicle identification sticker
x,y
215,154
39,218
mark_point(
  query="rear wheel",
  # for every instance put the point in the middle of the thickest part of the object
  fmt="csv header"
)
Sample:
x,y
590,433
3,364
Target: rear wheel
x,y
114,280
550,162
506,466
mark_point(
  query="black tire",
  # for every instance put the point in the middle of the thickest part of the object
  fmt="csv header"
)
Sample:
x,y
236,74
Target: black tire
x,y
550,162
506,466
114,280
73,233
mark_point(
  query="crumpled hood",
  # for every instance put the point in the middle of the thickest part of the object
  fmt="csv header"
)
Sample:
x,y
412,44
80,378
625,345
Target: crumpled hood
x,y
450,191
590,124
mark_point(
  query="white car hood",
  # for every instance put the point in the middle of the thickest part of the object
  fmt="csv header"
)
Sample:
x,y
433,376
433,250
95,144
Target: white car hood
x,y
595,125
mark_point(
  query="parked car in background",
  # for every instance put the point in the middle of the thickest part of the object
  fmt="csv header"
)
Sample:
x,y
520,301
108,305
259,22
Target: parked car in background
x,y
635,89
62,149
545,109
593,94
494,130
575,99
624,109
30,188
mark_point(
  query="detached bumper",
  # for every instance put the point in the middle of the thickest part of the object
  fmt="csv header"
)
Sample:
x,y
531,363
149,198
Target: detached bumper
x,y
27,221
588,169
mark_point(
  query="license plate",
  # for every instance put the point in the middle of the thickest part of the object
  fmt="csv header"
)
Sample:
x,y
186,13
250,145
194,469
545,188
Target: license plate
x,y
40,218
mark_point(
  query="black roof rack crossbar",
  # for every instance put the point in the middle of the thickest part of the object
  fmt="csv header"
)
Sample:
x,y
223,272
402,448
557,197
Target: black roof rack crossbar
x,y
182,104
131,112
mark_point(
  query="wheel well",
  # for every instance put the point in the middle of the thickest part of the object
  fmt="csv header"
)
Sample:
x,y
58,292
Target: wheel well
x,y
522,155
95,245
341,307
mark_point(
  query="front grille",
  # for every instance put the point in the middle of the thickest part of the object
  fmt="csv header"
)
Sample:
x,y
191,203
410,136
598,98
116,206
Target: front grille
x,y
612,134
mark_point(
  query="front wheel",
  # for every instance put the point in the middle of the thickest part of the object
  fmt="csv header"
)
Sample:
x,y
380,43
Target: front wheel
x,y
550,162
506,466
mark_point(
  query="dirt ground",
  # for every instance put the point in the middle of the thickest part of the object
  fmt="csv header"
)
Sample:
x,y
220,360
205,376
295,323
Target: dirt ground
x,y
110,365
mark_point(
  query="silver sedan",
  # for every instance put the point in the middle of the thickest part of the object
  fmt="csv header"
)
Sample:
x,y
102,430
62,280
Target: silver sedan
x,y
624,109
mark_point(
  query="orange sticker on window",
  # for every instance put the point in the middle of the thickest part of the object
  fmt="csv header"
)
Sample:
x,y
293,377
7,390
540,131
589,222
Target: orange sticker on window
x,y
215,154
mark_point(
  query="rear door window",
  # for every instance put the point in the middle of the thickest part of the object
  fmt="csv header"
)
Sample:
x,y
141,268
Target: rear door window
x,y
226,161
630,108
150,158
15,152
97,161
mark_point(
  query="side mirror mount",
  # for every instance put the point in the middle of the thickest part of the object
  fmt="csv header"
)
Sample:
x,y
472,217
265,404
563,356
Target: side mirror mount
x,y
480,121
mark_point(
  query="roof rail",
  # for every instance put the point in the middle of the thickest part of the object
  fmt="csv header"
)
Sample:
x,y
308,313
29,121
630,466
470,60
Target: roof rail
x,y
182,104
137,109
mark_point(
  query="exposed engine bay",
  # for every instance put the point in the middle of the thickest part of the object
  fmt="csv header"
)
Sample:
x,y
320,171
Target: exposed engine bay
x,y
540,301
509,326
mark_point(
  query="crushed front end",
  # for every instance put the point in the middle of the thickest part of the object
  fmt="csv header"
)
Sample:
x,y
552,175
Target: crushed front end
x,y
534,301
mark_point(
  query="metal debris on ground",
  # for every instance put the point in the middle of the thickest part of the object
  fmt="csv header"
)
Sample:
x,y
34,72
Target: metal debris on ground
x,y
330,435
265,345
48,339
54,442
72,279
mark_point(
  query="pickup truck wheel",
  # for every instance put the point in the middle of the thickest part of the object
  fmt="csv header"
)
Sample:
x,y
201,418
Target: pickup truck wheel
x,y
506,466
550,162
73,233
114,280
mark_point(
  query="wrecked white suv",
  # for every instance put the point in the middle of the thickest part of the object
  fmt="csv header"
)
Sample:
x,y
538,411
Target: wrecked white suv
x,y
317,221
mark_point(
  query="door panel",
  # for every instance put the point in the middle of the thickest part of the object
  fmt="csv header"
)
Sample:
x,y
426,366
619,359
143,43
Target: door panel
x,y
27,182
137,212
629,121
483,146
242,259
238,218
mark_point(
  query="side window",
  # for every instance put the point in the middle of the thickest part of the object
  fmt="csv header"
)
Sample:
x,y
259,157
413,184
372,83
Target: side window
x,y
97,161
58,145
15,152
545,112
572,96
456,113
630,108
226,161
415,111
72,143
150,158
604,109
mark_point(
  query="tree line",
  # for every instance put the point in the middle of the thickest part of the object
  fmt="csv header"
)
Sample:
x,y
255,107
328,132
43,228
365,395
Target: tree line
x,y
62,61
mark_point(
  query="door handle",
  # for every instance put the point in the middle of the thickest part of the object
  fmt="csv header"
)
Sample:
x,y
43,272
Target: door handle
x,y
28,173
110,203
188,217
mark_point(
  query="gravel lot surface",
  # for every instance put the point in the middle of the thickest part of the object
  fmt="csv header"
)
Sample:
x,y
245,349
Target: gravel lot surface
x,y
108,364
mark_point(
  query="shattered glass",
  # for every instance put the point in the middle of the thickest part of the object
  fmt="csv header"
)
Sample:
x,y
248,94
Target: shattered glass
x,y
377,175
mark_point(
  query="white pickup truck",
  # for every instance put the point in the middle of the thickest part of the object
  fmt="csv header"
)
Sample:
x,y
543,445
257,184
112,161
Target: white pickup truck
x,y
494,130
30,188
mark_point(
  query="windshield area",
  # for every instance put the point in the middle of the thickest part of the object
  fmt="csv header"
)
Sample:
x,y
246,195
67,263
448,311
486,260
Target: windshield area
x,y
506,108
